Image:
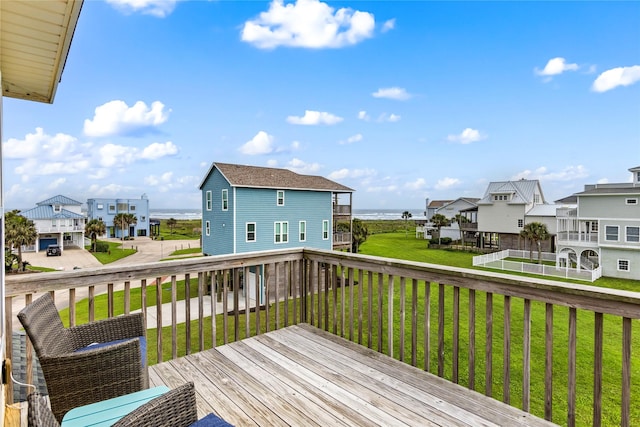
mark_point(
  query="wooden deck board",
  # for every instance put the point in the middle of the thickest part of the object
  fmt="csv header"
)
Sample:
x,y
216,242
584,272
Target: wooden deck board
x,y
303,376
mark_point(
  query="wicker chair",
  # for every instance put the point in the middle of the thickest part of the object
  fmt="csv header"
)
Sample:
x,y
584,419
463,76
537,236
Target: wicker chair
x,y
38,412
175,408
77,373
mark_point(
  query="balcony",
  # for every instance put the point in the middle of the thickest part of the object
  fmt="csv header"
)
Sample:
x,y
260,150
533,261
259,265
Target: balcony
x,y
578,238
477,329
341,210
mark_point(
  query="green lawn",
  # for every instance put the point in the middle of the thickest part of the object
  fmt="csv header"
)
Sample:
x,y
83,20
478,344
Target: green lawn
x,y
183,230
115,253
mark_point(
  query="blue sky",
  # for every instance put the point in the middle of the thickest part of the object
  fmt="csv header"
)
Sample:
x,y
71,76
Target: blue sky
x,y
400,101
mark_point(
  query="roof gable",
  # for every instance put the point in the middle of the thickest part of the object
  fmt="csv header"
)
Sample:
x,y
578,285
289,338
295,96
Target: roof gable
x,y
47,212
522,191
59,200
263,177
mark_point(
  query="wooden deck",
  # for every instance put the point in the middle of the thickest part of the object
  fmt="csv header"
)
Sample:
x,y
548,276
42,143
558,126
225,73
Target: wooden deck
x,y
304,376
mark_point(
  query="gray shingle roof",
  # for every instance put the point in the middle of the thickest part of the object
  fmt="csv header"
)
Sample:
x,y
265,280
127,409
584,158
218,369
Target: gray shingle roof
x,y
59,200
522,191
262,177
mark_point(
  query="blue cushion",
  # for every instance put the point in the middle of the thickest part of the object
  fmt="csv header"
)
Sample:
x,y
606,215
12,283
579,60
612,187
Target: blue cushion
x,y
143,347
211,420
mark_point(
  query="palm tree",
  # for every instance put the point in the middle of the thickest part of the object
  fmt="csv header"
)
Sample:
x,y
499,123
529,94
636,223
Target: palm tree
x,y
93,229
171,223
19,232
406,215
536,232
359,234
439,221
124,220
461,219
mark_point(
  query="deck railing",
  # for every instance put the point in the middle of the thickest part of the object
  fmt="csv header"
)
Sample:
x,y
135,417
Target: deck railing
x,y
560,351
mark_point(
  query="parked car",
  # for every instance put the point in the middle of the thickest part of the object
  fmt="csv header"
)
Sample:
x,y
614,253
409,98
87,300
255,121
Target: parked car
x,y
54,250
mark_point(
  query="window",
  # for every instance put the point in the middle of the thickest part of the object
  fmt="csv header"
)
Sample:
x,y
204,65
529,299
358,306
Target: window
x,y
303,231
631,201
57,208
501,197
112,208
122,207
99,206
208,200
611,233
132,208
281,232
594,226
536,199
225,200
143,218
207,228
280,197
251,232
520,223
623,265
325,229
633,234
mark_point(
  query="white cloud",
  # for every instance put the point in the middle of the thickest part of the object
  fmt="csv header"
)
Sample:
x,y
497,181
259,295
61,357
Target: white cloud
x,y
56,183
621,76
354,138
117,118
157,8
446,183
569,173
351,173
302,167
392,118
100,190
114,155
556,66
396,93
262,143
416,185
307,24
295,145
315,118
382,188
39,144
389,25
157,150
467,136
362,115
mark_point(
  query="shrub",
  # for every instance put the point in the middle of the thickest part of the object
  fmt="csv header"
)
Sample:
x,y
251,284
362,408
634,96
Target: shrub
x,y
102,247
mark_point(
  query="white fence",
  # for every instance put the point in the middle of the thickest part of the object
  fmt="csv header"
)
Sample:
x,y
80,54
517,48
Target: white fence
x,y
497,260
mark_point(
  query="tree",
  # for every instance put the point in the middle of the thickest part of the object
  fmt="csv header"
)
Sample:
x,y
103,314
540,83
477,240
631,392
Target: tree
x,y
171,223
124,220
19,231
439,221
93,229
461,219
536,232
406,215
359,234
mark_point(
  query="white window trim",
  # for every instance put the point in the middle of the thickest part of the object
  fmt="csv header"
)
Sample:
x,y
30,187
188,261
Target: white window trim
x,y
255,232
209,200
278,192
618,233
520,223
631,201
622,269
282,241
207,228
301,237
225,196
325,229
626,234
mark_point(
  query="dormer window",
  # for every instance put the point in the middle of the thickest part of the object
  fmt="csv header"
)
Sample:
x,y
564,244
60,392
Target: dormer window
x,y
501,197
57,208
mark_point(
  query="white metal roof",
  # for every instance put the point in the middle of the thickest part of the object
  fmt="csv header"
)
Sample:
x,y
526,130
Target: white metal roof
x,y
35,37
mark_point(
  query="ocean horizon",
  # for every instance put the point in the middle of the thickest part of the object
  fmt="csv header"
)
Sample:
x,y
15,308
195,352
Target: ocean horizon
x,y
363,214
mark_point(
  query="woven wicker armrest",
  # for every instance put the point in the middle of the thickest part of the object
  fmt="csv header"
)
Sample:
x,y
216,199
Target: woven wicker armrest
x,y
90,376
38,412
107,330
176,408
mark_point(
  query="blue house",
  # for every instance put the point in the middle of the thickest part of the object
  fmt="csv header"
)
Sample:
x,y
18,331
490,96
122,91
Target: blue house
x,y
106,209
250,208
